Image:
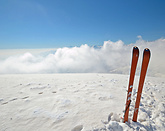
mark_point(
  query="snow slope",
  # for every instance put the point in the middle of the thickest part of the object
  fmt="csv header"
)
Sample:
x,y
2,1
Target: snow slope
x,y
78,102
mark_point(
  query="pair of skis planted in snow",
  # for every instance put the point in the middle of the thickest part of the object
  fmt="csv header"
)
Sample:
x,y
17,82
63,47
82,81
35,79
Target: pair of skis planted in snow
x,y
145,61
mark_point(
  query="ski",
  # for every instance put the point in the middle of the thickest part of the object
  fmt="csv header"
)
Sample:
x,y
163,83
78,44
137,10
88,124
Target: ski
x,y
145,62
135,56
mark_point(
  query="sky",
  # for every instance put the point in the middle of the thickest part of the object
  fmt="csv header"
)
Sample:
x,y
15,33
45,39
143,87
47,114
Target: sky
x,y
31,24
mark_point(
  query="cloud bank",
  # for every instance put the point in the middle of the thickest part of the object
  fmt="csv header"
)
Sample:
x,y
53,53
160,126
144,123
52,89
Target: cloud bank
x,y
111,57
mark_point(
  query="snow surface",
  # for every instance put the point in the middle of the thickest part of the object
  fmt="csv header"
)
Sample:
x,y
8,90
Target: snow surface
x,y
78,102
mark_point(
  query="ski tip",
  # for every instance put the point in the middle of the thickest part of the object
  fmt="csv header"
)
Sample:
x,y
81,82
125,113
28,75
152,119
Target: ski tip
x,y
136,50
135,47
147,52
146,49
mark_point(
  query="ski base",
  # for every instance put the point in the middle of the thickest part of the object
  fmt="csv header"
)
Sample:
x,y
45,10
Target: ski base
x,y
145,62
135,56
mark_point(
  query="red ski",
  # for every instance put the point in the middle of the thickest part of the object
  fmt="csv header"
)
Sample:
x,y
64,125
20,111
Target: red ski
x,y
135,56
145,62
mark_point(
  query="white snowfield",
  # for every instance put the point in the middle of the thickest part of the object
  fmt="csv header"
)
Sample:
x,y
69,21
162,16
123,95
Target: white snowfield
x,y
78,102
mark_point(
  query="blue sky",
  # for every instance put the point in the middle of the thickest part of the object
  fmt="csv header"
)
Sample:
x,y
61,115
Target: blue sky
x,y
59,23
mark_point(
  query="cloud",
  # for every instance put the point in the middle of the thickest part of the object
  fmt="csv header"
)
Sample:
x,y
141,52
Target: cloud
x,y
111,57
139,37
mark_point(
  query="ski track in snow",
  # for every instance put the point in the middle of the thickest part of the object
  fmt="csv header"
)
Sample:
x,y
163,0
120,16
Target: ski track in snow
x,y
78,102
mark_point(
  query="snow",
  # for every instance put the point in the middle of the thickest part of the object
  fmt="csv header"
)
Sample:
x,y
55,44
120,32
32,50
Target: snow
x,y
78,102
